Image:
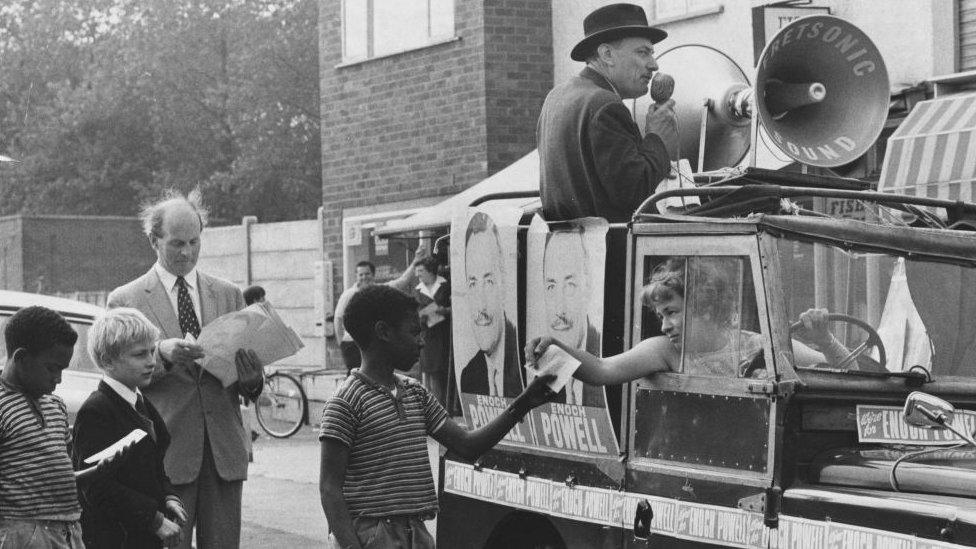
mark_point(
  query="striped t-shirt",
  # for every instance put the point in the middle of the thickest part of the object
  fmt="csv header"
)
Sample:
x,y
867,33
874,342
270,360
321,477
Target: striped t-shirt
x,y
37,481
389,469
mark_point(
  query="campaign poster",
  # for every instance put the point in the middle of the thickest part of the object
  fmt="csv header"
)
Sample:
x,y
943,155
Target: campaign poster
x,y
564,293
485,314
564,299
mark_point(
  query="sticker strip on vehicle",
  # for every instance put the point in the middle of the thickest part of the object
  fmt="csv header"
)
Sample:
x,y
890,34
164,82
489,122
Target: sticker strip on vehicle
x,y
885,425
678,519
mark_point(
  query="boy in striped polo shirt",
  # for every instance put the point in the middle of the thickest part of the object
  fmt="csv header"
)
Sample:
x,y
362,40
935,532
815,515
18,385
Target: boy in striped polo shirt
x,y
376,484
38,495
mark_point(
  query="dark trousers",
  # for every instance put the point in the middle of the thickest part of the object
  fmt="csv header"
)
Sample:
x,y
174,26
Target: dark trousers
x,y
397,532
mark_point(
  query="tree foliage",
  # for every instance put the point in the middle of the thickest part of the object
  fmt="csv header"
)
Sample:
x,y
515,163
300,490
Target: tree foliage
x,y
106,102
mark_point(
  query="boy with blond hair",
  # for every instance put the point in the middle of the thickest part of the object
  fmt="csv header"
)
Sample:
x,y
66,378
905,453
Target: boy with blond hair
x,y
136,505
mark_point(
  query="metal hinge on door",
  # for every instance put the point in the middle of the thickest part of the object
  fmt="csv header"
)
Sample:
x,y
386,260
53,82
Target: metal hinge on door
x,y
772,388
767,503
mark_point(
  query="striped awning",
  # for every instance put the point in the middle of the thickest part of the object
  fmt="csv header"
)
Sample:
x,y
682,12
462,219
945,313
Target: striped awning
x,y
933,151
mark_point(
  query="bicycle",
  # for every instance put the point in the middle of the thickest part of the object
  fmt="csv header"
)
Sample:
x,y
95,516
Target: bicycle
x,y
282,407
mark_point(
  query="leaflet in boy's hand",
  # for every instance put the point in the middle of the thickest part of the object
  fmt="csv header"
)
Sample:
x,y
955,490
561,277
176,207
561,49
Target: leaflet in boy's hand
x,y
256,327
133,437
558,362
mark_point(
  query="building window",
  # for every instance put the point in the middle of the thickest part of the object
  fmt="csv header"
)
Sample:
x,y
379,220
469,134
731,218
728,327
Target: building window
x,y
671,10
374,28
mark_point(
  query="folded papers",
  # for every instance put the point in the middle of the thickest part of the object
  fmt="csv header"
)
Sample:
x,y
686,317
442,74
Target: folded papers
x,y
557,362
433,317
133,437
256,327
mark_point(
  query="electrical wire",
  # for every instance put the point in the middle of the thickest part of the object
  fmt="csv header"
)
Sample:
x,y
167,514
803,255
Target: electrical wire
x,y
892,478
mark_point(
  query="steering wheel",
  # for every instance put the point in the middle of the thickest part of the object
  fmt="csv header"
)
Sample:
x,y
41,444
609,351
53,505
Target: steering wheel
x,y
874,340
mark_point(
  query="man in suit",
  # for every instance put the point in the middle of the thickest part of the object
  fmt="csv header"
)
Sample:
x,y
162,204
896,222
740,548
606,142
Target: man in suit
x,y
566,281
207,460
593,159
494,369
135,504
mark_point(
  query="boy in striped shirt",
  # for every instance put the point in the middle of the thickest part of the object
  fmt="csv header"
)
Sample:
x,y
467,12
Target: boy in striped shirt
x,y
38,493
376,484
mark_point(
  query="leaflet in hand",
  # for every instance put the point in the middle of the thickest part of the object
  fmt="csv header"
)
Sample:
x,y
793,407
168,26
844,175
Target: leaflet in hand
x,y
559,362
133,437
433,317
256,327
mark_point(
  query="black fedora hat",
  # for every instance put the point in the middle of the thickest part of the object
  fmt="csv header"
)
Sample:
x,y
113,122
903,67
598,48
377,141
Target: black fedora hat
x,y
611,23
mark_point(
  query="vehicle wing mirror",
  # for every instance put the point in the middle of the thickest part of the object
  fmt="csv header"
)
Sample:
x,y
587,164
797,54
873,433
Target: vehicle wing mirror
x,y
930,412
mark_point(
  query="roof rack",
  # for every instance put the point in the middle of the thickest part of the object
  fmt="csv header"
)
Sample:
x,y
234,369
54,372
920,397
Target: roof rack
x,y
760,191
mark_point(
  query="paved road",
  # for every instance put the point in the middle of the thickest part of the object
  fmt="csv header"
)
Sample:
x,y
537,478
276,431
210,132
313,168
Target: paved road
x,y
281,497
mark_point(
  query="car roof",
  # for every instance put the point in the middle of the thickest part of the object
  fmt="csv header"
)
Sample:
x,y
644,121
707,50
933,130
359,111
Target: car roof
x,y
11,301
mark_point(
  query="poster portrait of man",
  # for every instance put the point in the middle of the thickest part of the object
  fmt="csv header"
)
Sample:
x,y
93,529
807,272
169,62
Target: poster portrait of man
x,y
567,285
494,369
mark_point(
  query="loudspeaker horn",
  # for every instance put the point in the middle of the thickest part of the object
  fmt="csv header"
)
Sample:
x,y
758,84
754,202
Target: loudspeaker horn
x,y
704,74
821,94
822,91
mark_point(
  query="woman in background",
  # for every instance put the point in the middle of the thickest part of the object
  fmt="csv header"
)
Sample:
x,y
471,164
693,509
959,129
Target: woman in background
x,y
433,295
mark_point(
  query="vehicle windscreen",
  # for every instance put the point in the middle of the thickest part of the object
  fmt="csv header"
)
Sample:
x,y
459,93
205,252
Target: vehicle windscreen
x,y
705,307
887,313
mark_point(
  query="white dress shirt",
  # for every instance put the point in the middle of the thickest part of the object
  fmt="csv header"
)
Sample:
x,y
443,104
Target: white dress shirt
x,y
126,393
169,283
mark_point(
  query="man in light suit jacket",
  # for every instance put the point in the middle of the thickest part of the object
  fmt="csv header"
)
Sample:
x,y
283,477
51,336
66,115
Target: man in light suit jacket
x,y
207,458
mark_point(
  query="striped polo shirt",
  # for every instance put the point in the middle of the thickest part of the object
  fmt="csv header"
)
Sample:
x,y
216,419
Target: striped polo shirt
x,y
37,481
389,469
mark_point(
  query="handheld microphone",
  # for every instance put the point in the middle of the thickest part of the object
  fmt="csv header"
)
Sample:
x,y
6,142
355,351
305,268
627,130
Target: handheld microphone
x,y
662,86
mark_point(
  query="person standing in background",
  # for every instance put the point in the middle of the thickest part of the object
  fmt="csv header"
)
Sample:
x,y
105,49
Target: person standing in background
x,y
365,277
433,295
253,294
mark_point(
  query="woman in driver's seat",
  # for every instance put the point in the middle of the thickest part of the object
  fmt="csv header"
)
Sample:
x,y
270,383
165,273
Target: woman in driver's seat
x,y
713,344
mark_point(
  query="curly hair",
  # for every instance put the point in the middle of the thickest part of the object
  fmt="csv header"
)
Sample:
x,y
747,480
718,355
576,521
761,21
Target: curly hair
x,y
708,277
36,329
667,281
372,304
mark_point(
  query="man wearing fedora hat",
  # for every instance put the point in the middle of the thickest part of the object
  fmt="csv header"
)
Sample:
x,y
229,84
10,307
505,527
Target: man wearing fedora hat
x,y
594,160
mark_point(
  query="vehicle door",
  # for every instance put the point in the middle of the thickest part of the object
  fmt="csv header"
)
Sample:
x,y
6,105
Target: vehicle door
x,y
701,436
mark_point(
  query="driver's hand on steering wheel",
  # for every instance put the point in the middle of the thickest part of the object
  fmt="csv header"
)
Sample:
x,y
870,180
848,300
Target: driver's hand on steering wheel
x,y
814,328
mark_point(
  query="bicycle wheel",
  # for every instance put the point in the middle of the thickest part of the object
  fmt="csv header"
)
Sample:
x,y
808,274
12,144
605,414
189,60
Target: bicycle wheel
x,y
282,405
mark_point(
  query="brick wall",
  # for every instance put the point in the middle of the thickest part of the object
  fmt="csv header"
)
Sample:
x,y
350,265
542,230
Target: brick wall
x,y
518,75
11,253
433,121
81,253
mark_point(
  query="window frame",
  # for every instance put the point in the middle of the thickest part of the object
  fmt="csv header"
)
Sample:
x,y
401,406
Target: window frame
x,y
709,8
694,245
370,30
